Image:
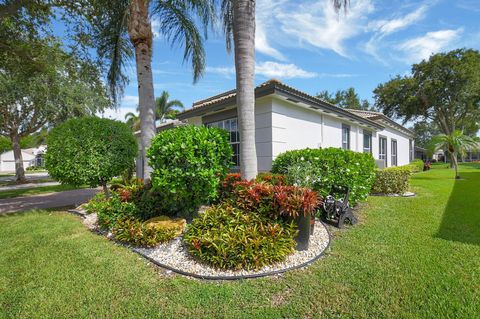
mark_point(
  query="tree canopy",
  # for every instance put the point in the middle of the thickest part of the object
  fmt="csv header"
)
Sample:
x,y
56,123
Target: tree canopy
x,y
348,99
444,89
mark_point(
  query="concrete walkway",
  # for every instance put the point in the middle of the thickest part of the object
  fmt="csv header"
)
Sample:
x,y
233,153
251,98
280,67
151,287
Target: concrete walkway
x,y
51,200
29,176
30,185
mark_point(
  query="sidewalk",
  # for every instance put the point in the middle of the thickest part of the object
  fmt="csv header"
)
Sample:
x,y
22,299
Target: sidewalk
x,y
52,200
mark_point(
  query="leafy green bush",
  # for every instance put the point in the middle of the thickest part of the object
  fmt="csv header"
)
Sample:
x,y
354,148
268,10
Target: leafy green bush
x,y
110,209
392,180
188,164
330,167
133,231
226,237
89,150
416,166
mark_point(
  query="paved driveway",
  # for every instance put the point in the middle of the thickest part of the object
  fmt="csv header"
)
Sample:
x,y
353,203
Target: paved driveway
x,y
43,201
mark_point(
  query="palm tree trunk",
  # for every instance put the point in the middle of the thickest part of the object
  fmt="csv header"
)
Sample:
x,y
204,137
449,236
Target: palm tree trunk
x,y
17,154
140,32
455,164
244,40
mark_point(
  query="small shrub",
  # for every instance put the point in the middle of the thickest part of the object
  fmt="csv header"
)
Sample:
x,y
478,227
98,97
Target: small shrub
x,y
109,210
332,167
227,238
392,180
165,222
151,203
188,164
228,185
133,231
293,201
272,179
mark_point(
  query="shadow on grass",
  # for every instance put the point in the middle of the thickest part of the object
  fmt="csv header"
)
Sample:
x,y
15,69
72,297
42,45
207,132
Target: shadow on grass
x,y
461,219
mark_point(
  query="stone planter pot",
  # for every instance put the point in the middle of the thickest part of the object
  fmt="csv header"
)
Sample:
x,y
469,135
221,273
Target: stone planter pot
x,y
304,231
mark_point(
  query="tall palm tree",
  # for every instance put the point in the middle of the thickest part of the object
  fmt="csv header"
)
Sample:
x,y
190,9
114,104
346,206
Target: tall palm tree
x,y
133,121
455,144
166,108
123,29
239,25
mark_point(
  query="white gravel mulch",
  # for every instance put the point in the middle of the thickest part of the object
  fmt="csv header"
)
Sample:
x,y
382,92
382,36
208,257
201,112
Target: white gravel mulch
x,y
174,255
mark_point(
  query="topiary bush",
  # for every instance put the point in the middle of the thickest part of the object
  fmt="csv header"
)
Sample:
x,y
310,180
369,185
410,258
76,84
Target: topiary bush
x,y
188,164
392,180
89,151
329,167
226,237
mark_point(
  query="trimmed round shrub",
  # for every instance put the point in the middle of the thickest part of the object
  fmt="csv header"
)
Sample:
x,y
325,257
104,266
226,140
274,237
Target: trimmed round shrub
x,y
228,238
392,180
416,165
89,151
188,164
325,169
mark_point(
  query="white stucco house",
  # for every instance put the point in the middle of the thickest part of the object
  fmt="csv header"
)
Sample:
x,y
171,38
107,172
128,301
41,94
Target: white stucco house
x,y
288,119
30,156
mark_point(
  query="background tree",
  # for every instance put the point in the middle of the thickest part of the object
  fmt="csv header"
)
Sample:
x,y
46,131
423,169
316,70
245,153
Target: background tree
x,y
455,144
424,132
90,150
33,95
347,99
122,29
133,121
165,108
444,89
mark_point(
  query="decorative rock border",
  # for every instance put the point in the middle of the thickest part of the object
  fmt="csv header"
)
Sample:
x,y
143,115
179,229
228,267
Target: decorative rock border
x,y
175,257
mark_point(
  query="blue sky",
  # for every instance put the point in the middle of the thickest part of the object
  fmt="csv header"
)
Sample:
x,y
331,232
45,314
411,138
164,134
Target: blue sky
x,y
307,45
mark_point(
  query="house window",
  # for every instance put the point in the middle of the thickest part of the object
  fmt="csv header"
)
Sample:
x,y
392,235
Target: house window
x,y
345,137
382,150
367,142
394,153
231,127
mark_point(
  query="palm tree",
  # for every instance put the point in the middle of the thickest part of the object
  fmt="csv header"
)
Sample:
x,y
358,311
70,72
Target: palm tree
x,y
123,29
455,144
133,121
166,108
239,25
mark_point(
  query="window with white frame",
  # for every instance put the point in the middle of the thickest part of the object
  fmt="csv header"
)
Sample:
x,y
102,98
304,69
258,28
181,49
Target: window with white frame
x,y
345,137
394,153
367,142
231,126
382,149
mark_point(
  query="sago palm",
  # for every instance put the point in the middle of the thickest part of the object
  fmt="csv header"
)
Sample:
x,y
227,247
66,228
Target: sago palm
x,y
455,144
239,26
123,30
165,108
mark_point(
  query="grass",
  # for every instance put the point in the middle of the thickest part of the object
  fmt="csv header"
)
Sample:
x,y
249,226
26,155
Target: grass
x,y
35,191
409,258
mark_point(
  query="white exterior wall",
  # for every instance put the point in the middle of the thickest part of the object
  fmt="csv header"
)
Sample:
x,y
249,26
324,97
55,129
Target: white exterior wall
x,y
403,147
7,161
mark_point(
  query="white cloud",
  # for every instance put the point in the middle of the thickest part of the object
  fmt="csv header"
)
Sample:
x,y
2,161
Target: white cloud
x,y
271,69
155,28
422,47
268,69
383,28
265,20
118,114
316,24
129,101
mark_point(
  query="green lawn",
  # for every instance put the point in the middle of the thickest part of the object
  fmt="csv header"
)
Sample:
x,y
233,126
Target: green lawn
x,y
409,258
35,191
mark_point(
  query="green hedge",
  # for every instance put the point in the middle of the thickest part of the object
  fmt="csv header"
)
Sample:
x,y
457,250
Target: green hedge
x,y
188,164
330,167
416,166
392,180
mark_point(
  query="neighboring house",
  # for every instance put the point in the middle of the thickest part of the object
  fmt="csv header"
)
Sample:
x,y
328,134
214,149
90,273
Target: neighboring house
x,y
31,157
288,119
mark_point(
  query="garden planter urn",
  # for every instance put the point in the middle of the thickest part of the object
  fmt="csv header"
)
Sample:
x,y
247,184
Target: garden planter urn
x,y
304,230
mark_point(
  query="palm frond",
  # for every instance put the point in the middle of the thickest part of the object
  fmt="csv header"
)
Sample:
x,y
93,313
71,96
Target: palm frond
x,y
339,4
113,43
227,22
178,26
